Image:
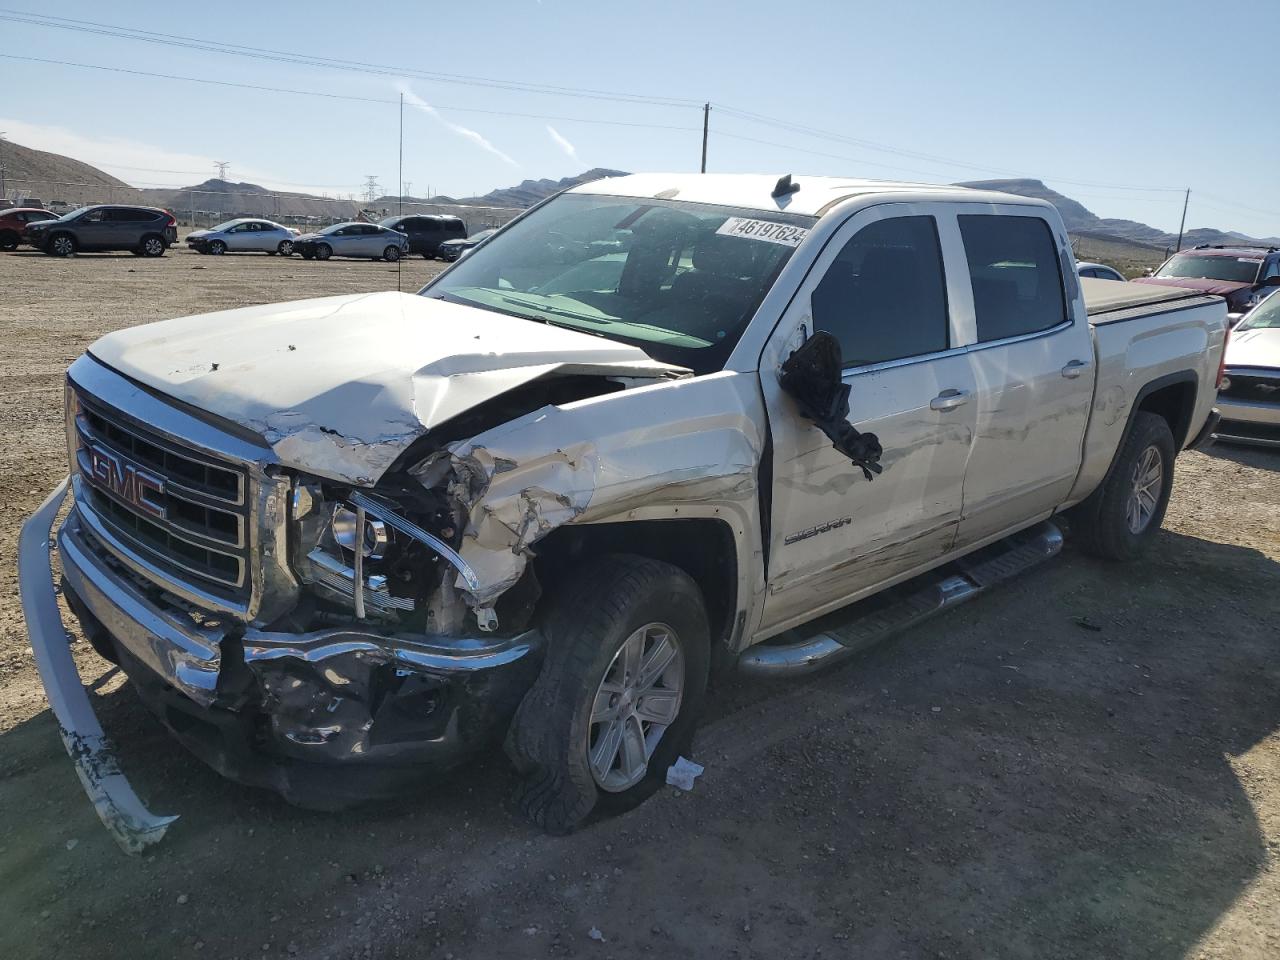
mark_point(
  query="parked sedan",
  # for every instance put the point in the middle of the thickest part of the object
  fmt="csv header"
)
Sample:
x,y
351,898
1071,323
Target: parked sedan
x,y
355,239
1098,271
452,250
1249,397
244,234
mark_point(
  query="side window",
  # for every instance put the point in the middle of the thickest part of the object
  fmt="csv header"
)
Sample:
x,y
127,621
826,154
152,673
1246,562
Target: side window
x,y
1015,274
884,297
94,216
1272,269
430,226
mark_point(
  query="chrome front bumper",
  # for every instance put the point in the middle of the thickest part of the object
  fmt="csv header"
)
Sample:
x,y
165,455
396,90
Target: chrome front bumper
x,y
314,687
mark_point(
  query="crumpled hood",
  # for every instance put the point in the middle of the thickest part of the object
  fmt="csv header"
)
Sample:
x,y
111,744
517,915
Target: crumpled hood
x,y
312,236
1203,284
340,386
1254,348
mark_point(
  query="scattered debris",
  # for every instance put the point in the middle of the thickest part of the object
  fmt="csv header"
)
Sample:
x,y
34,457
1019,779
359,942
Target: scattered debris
x,y
182,899
71,844
682,773
595,934
1084,623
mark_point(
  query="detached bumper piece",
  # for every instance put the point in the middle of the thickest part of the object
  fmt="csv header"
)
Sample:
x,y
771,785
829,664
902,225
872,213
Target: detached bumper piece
x,y
325,718
128,821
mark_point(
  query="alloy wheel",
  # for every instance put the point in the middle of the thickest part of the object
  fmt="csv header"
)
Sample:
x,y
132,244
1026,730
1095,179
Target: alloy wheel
x,y
1148,480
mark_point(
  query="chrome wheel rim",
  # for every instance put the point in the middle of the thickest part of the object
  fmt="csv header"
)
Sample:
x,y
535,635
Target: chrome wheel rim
x,y
62,245
286,248
155,247
637,700
1144,494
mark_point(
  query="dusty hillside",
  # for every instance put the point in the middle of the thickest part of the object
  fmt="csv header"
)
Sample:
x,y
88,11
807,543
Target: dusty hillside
x,y
51,176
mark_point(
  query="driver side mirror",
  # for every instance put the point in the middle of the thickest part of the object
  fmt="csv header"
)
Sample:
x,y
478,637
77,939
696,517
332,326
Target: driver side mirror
x,y
1272,281
812,376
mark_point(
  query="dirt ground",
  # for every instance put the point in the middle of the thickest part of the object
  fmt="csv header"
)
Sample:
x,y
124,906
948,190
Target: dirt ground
x,y
1084,763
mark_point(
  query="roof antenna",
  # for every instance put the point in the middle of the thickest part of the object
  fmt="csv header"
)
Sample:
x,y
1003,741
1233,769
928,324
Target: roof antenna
x,y
784,187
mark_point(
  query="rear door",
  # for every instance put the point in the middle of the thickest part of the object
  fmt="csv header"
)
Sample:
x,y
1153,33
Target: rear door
x,y
884,287
1033,363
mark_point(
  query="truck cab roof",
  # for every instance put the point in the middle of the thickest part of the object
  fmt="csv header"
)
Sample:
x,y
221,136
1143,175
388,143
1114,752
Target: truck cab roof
x,y
813,196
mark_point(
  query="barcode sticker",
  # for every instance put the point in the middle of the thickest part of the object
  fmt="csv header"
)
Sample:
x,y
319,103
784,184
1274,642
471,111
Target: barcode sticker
x,y
783,233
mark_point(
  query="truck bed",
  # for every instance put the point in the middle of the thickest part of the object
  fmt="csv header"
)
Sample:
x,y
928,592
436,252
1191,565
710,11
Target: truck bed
x,y
1109,302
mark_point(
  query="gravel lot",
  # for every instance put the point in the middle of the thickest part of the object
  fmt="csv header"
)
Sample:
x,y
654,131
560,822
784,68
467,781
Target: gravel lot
x,y
1084,763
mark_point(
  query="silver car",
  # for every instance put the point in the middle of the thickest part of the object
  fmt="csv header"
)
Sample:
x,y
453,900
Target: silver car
x,y
245,233
1249,397
353,239
1098,271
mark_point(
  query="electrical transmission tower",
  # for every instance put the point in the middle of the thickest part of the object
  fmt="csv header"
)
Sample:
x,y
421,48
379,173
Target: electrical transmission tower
x,y
371,188
408,188
222,168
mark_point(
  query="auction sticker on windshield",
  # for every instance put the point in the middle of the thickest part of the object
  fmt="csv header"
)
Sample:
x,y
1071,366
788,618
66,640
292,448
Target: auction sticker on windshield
x,y
783,233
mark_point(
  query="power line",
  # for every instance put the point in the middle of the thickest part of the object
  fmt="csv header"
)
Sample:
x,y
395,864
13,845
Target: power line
x,y
341,96
819,133
316,60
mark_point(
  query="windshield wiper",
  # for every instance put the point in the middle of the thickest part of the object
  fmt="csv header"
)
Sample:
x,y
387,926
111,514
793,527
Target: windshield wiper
x,y
559,311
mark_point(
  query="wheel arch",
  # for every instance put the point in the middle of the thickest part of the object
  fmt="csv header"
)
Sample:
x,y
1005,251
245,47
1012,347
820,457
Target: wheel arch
x,y
705,547
1173,397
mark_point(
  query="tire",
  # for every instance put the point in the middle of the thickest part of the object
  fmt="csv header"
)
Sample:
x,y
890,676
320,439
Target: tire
x,y
618,601
323,251
391,254
8,240
1117,522
285,249
60,245
308,256
153,246
427,256
217,248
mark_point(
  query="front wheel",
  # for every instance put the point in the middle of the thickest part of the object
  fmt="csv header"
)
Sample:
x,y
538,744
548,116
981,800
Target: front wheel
x,y
323,251
217,248
1119,520
391,254
61,245
619,693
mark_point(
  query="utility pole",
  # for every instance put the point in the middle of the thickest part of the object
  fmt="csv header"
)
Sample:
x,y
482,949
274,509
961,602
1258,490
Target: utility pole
x,y
2,171
408,188
706,122
222,168
1183,225
400,174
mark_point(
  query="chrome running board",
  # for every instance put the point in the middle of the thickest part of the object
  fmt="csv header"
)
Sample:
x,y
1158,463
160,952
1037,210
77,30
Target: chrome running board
x,y
861,625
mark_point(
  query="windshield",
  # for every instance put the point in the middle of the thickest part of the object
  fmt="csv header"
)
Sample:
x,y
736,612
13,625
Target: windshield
x,y
679,280
1265,316
1236,269
74,213
224,226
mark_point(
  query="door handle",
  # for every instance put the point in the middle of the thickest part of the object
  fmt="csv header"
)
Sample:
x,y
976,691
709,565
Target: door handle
x,y
949,400
1075,368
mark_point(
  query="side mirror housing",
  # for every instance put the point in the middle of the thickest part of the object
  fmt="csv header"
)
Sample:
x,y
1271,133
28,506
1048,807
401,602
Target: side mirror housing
x,y
1272,281
812,377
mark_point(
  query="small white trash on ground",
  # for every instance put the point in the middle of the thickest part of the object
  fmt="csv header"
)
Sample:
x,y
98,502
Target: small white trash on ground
x,y
682,773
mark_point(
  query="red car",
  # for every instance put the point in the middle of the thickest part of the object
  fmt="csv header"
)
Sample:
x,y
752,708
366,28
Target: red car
x,y
14,220
1242,274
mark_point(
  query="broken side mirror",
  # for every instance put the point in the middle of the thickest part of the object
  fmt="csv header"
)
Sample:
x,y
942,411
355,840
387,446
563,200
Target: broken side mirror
x,y
812,376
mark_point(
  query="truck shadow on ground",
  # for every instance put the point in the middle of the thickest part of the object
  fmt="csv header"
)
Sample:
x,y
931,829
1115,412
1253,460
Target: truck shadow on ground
x,y
1057,769
1265,458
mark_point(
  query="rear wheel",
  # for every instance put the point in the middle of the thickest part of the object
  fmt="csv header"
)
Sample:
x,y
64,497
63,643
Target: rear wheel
x,y
619,694
8,240
217,247
60,245
391,254
323,251
1119,520
285,249
153,246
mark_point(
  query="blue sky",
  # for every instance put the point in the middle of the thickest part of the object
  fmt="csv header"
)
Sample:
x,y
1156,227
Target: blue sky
x,y
1113,104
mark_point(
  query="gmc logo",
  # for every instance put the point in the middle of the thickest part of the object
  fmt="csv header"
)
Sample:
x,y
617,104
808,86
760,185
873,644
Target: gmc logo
x,y
141,490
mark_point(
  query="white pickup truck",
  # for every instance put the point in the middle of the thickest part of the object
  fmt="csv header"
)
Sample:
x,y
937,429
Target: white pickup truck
x,y
656,425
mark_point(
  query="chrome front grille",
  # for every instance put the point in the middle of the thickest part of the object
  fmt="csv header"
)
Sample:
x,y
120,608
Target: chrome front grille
x,y
179,509
1259,387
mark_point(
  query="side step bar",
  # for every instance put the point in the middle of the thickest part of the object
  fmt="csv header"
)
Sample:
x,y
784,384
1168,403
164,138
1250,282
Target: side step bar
x,y
869,621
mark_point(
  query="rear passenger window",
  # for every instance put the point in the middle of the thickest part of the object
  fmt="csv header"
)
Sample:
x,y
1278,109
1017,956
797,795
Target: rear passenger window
x,y
1015,273
884,297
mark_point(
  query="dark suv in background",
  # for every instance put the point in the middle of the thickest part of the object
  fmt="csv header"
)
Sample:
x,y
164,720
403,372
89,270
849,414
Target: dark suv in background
x,y
426,232
1242,274
144,231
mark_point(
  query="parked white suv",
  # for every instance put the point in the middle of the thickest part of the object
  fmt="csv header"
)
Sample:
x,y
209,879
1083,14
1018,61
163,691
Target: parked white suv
x,y
658,423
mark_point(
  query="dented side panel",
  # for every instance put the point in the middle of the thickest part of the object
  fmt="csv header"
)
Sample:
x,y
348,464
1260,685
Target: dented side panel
x,y
692,444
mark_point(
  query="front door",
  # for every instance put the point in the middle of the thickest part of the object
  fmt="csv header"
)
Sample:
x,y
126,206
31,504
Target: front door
x,y
881,288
